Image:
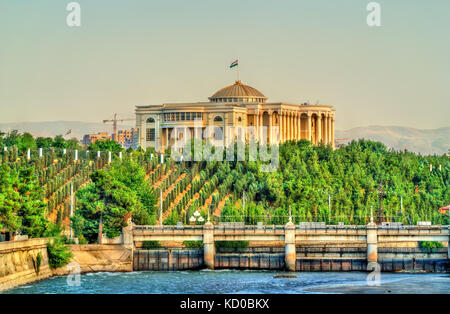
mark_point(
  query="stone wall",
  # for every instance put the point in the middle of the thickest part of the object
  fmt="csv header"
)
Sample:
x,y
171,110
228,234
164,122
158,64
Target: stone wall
x,y
18,262
100,258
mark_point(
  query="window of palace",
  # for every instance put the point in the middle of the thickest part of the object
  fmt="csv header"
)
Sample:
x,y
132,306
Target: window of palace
x,y
150,135
218,119
150,120
182,116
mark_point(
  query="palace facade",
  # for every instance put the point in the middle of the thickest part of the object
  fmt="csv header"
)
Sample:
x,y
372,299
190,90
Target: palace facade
x,y
235,106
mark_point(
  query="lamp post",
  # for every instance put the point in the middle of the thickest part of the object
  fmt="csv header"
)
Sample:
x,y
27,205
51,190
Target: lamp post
x,y
243,206
329,199
160,205
401,199
196,217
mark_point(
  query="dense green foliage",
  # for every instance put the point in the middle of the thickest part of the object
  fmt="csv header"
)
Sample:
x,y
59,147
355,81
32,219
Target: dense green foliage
x,y
351,175
21,206
113,192
354,178
106,146
26,141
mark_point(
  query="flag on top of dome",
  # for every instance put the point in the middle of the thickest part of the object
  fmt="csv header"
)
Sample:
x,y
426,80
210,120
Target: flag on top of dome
x,y
234,64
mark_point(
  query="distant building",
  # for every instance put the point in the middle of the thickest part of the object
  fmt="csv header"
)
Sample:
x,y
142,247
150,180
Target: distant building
x,y
89,139
128,138
236,105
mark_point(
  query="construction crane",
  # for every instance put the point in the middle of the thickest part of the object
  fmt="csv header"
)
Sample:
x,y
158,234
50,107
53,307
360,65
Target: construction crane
x,y
114,122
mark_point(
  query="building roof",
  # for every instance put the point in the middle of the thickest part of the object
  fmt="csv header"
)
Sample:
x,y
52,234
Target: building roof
x,y
238,90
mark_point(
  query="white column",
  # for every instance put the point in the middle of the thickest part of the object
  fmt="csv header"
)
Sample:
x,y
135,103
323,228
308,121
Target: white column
x,y
308,137
319,128
329,130
325,135
332,132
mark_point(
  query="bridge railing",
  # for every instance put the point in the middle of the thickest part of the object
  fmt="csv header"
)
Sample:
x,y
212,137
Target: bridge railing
x,y
166,227
227,227
249,227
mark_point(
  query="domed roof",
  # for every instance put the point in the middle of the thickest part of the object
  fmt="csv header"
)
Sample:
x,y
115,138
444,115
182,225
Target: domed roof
x,y
239,90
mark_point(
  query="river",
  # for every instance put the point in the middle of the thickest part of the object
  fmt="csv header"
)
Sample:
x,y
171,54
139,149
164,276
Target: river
x,y
237,282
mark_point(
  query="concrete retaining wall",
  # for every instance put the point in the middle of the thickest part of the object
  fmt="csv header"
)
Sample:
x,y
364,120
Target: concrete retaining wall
x,y
100,257
18,262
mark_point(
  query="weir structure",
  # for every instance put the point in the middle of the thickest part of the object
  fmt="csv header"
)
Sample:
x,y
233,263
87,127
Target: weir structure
x,y
313,247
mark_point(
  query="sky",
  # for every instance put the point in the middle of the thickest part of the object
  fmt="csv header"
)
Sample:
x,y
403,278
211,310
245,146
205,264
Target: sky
x,y
138,52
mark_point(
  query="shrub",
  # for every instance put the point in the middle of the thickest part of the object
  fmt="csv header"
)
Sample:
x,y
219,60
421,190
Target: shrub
x,y
37,263
193,244
232,243
150,244
58,252
430,244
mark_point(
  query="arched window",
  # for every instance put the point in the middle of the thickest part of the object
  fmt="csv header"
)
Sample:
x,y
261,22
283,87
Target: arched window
x,y
239,119
150,120
217,119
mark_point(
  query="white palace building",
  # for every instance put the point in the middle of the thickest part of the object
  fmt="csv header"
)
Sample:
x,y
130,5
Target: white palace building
x,y
236,105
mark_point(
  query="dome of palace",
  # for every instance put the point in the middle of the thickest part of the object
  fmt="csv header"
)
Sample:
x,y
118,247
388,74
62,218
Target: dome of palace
x,y
238,92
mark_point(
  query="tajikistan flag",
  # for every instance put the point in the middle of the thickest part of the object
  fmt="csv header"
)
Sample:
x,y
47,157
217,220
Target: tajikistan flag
x,y
234,64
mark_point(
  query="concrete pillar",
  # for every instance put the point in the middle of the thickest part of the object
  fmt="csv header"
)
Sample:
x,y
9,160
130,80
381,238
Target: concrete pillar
x,y
290,255
372,243
209,249
308,130
299,123
127,234
282,126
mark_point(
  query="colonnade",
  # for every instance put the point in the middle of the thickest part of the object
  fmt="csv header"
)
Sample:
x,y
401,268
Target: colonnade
x,y
294,125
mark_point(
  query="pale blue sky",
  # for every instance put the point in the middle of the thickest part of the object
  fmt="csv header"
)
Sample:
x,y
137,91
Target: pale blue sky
x,y
137,52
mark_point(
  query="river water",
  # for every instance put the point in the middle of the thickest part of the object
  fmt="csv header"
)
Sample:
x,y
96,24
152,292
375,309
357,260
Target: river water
x,y
237,282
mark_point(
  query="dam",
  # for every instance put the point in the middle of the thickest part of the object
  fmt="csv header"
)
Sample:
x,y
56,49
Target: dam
x,y
306,247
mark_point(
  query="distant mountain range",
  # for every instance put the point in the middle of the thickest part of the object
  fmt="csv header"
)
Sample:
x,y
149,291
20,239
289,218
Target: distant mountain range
x,y
426,142
432,141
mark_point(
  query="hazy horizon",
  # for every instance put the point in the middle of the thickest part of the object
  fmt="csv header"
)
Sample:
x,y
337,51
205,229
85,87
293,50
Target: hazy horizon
x,y
137,52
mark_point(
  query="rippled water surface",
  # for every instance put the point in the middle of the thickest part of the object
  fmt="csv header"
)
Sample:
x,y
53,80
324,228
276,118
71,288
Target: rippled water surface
x,y
233,281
